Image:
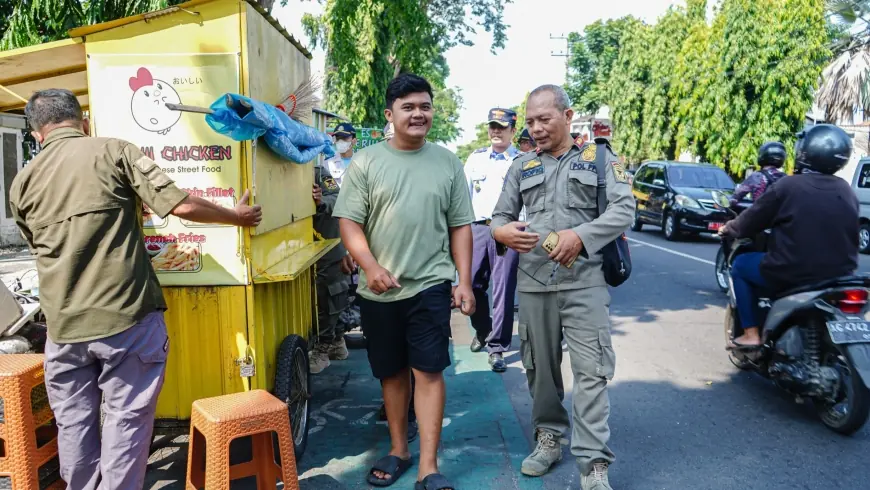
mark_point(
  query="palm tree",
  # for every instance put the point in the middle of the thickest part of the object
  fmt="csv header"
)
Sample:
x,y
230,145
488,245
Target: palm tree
x,y
845,86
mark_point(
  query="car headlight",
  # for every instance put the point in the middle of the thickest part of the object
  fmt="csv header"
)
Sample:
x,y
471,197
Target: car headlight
x,y
687,202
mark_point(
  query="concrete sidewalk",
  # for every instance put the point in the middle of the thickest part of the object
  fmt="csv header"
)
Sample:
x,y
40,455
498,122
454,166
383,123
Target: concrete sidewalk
x,y
483,441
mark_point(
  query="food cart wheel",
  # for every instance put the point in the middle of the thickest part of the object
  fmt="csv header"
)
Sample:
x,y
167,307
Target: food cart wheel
x,y
293,388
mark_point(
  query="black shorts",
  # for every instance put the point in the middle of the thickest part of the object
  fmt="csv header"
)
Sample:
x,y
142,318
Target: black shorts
x,y
413,332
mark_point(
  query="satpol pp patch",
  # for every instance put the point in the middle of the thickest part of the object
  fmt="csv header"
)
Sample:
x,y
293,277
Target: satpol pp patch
x,y
532,172
330,184
618,172
588,154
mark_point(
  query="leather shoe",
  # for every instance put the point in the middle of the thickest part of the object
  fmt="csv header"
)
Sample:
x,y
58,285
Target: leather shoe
x,y
496,361
476,345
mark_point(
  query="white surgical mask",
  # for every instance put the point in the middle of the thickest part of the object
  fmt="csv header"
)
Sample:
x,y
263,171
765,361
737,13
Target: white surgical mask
x,y
342,146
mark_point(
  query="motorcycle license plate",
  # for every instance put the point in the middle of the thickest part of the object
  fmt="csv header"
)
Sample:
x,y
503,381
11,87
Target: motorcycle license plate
x,y
714,226
851,332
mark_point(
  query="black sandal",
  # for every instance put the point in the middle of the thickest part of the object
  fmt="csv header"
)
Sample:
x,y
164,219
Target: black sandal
x,y
390,465
435,481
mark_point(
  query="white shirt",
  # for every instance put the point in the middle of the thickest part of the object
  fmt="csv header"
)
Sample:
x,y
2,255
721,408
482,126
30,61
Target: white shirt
x,y
485,173
337,166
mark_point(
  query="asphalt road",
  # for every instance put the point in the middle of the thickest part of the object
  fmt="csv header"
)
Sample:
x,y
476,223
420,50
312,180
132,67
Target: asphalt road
x,y
682,416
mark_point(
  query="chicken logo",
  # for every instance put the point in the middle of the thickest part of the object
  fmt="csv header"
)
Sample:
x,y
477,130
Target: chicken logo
x,y
149,101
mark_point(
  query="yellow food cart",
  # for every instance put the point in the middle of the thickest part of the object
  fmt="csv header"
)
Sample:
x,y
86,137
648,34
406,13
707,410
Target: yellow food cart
x,y
241,301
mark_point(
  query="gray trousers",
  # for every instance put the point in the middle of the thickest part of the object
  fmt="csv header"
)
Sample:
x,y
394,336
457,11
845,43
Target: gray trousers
x,y
125,370
582,315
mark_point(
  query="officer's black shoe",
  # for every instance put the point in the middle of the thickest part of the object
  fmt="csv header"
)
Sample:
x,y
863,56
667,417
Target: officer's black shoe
x,y
497,362
476,345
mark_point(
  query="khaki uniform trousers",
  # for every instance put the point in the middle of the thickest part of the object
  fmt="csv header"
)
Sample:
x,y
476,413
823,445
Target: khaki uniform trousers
x,y
582,316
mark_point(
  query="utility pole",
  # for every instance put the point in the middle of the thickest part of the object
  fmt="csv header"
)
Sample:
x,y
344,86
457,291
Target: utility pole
x,y
562,54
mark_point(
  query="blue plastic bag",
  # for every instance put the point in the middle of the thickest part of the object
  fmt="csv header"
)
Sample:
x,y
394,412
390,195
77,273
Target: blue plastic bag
x,y
242,119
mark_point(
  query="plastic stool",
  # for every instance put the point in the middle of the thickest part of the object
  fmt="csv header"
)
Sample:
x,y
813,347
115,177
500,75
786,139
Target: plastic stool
x,y
26,443
222,419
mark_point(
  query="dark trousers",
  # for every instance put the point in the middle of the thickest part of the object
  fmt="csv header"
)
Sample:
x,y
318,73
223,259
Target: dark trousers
x,y
500,272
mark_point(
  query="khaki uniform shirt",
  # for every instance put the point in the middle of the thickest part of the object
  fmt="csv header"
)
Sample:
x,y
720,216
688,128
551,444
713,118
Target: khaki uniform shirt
x,y
79,205
561,194
324,222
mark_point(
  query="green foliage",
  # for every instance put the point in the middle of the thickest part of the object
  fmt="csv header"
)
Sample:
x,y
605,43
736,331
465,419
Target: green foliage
x,y
593,54
38,21
657,135
630,77
481,140
445,121
718,91
369,42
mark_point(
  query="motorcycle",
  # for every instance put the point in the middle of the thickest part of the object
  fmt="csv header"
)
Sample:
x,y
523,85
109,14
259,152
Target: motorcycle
x,y
726,254
816,344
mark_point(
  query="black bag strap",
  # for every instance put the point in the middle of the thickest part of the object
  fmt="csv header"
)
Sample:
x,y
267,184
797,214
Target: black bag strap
x,y
601,155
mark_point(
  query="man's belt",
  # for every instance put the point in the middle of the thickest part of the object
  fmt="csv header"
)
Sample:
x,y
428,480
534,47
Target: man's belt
x,y
484,222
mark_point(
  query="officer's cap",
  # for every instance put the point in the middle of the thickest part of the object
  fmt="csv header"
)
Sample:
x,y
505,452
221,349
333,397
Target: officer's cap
x,y
525,136
344,129
502,117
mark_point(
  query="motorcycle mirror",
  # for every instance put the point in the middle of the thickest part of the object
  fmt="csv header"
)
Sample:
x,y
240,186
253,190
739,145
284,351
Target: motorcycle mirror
x,y
721,199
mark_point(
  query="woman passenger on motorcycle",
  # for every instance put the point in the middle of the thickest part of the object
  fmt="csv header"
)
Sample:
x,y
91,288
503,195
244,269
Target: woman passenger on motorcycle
x,y
771,157
814,218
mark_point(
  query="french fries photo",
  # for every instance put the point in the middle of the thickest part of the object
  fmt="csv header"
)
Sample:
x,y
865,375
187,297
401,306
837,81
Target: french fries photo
x,y
178,257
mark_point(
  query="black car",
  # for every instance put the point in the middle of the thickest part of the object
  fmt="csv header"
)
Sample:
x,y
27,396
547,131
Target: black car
x,y
677,196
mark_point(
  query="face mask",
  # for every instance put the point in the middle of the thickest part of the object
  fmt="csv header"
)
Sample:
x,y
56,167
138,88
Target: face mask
x,y
342,146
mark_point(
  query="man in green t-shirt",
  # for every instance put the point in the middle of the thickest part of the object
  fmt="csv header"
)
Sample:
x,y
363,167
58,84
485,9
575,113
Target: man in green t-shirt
x,y
405,209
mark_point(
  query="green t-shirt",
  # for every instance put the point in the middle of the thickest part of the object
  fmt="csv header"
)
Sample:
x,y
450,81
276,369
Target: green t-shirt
x,y
406,202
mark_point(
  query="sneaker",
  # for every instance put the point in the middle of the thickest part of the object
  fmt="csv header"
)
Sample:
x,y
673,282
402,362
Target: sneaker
x,y
597,478
546,454
318,358
496,362
337,350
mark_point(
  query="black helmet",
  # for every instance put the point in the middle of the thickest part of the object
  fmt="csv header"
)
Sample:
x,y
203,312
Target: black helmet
x,y
771,154
822,148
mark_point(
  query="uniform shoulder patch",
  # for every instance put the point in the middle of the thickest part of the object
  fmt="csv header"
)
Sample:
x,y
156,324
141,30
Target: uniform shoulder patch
x,y
588,154
538,170
618,171
532,164
480,150
330,184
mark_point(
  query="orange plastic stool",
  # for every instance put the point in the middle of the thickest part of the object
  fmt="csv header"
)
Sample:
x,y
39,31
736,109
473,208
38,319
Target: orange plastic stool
x,y
217,421
26,442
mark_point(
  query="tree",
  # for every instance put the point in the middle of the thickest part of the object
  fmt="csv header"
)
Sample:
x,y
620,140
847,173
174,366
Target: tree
x,y
770,54
445,121
692,76
657,134
369,42
38,21
719,91
593,54
845,89
631,75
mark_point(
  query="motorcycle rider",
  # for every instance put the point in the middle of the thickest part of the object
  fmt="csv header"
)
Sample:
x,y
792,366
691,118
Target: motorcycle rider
x,y
814,218
771,157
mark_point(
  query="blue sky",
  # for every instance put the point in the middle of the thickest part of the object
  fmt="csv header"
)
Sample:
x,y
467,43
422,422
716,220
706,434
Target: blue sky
x,y
502,79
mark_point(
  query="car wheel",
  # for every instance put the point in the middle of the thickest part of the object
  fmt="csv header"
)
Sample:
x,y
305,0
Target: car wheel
x,y
636,224
864,238
670,227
